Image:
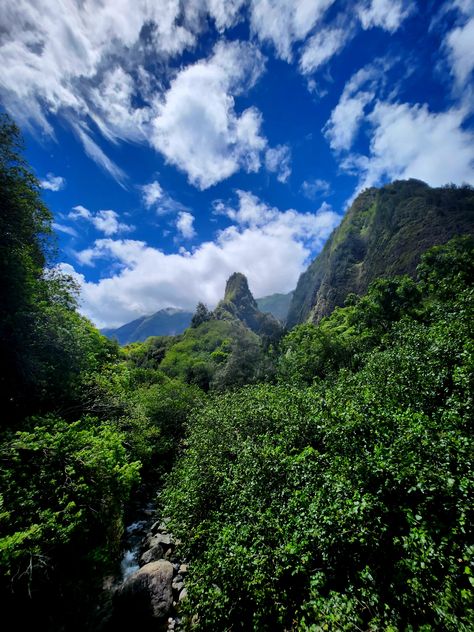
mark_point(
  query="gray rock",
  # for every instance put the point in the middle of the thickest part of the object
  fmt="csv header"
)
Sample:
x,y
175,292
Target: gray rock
x,y
163,539
183,594
152,555
178,586
183,569
147,593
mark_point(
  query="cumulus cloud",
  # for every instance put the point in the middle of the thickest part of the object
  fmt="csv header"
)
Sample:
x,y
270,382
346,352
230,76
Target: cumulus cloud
x,y
316,187
184,225
285,22
277,160
270,246
53,183
386,14
87,63
196,126
410,141
105,221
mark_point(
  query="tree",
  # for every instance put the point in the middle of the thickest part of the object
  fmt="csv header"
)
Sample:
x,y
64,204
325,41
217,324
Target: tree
x,y
25,227
201,315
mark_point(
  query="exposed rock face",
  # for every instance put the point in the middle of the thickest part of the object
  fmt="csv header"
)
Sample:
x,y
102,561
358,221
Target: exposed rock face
x,y
239,303
147,594
384,233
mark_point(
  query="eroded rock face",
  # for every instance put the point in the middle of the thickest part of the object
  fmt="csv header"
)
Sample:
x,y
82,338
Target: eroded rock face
x,y
147,594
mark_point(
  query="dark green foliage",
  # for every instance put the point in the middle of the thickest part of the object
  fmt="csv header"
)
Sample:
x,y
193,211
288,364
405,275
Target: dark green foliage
x,y
346,504
384,233
200,316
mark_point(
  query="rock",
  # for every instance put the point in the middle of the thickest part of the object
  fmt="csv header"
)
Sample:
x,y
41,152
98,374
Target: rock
x,y
163,539
183,569
152,555
178,586
183,594
147,594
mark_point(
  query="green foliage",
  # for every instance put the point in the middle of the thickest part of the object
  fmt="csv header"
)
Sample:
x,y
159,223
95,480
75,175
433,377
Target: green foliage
x,y
346,504
64,486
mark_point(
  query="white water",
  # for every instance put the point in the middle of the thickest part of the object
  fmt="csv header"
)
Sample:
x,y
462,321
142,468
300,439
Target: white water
x,y
133,537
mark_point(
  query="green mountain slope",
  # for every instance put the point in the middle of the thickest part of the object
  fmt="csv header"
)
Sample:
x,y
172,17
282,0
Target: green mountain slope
x,y
230,348
383,234
275,304
165,322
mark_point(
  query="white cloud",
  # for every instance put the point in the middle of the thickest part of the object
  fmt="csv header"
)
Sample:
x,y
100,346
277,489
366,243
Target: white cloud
x,y
326,43
314,188
184,225
53,183
85,61
284,22
271,247
459,45
386,14
155,197
63,228
93,150
105,221
196,126
345,120
410,141
277,160
343,125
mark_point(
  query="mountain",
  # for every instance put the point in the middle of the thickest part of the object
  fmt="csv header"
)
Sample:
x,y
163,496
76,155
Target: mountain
x,y
240,304
165,322
275,304
228,348
383,234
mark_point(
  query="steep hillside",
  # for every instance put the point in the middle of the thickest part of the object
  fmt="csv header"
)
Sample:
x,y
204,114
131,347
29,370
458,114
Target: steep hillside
x,y
275,304
383,233
165,322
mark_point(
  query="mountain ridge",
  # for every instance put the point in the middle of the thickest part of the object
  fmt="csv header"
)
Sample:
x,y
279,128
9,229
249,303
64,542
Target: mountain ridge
x,y
383,234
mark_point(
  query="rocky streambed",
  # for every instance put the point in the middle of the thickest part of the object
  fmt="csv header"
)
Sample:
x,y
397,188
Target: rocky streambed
x,y
152,583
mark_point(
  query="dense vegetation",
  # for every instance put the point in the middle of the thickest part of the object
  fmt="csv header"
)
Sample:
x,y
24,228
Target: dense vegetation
x,y
318,481
340,498
384,233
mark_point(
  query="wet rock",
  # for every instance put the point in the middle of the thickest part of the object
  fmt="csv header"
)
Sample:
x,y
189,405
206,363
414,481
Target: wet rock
x,y
147,594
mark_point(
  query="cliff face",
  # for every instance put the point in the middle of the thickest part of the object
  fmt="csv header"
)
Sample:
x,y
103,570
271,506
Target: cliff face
x,y
239,303
383,234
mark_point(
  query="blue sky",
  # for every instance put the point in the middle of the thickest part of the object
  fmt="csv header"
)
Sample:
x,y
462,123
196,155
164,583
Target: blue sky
x,y
180,141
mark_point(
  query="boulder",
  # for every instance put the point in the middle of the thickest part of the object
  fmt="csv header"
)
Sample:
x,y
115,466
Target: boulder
x,y
147,594
152,555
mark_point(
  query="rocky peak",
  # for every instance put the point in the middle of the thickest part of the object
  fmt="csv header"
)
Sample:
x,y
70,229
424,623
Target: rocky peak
x,y
239,303
237,291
